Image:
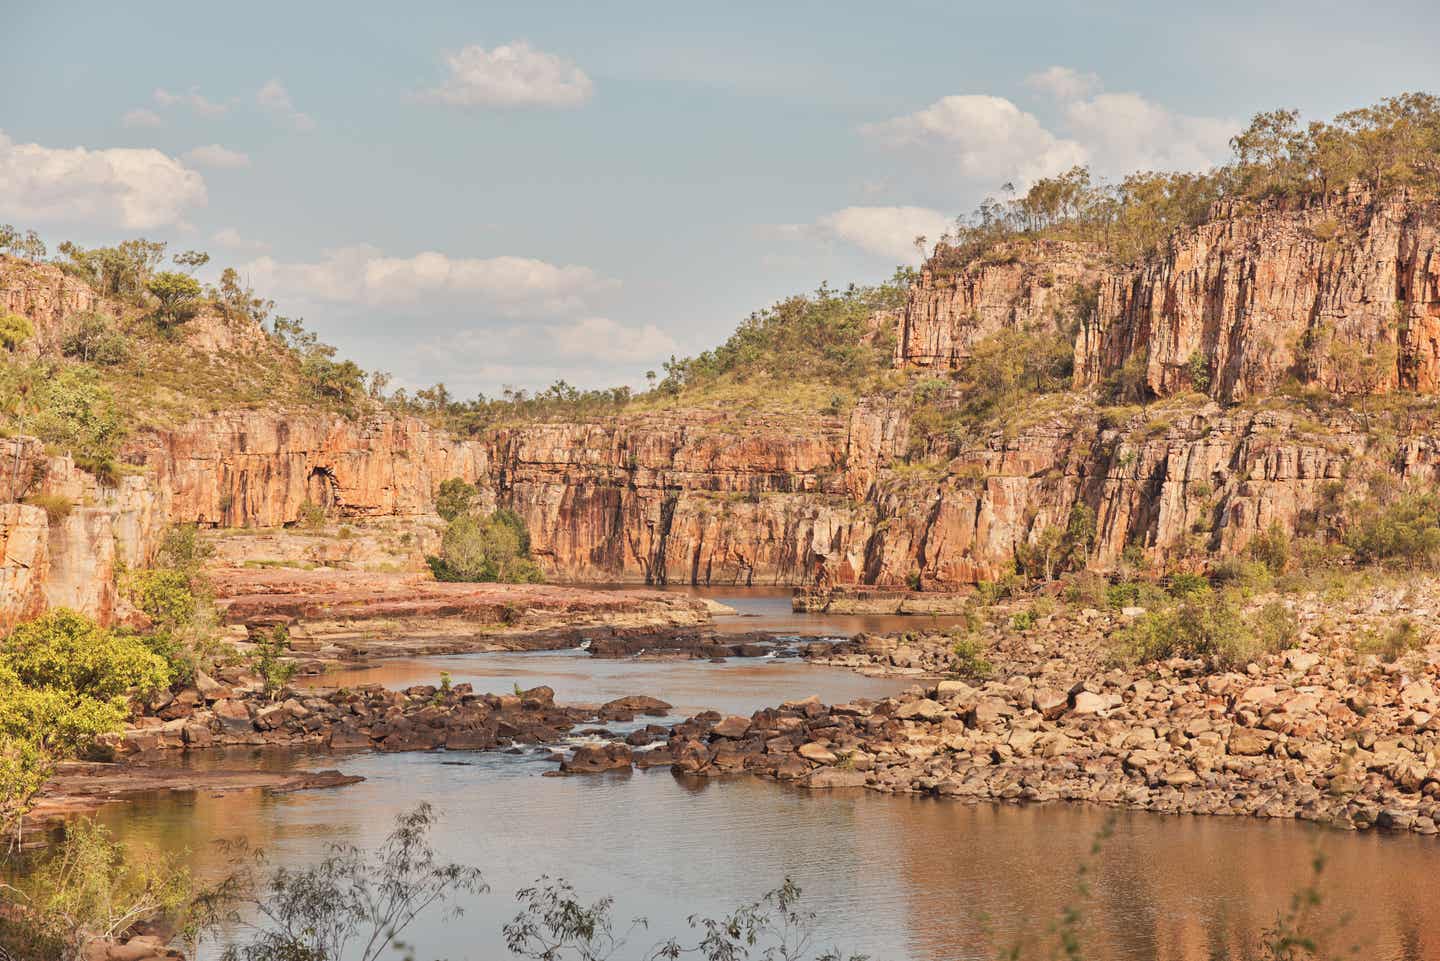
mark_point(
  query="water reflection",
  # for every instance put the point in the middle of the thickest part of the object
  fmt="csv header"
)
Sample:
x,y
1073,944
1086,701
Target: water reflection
x,y
738,686
899,878
768,609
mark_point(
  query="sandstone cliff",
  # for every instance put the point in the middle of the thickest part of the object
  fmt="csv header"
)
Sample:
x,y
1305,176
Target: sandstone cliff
x,y
1342,295
721,496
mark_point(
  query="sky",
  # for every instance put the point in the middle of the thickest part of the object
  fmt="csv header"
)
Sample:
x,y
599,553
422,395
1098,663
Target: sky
x,y
505,194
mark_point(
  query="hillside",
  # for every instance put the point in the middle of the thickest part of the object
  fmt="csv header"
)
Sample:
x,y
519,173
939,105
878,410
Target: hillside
x,y
1116,382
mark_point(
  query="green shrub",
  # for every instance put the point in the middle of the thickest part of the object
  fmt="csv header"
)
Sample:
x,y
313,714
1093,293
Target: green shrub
x,y
1134,593
454,497
165,596
1271,547
969,659
57,507
1087,589
494,548
14,330
66,651
271,660
310,516
93,339
1023,620
1183,584
1400,638
1405,532
1210,626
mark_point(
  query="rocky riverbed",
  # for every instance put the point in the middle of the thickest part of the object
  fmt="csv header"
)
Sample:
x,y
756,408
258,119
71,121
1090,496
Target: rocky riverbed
x,y
1322,731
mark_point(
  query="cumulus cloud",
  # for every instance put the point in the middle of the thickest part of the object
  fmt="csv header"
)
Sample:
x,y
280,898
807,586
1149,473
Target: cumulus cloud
x,y
141,118
984,136
214,155
194,100
363,274
512,75
885,231
233,239
1124,131
1063,83
991,138
604,339
135,189
274,98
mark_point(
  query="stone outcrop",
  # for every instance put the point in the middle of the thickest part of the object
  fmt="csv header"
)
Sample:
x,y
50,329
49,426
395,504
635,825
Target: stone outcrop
x,y
949,310
24,562
1344,295
1311,733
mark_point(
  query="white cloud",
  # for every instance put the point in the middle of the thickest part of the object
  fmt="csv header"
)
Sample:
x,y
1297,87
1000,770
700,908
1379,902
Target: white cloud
x,y
991,138
601,338
1063,83
135,189
276,99
1124,132
232,238
886,231
214,155
984,136
141,118
193,100
512,75
363,274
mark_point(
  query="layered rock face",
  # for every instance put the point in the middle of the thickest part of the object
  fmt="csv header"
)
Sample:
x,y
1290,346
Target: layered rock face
x,y
47,295
948,312
1343,295
257,469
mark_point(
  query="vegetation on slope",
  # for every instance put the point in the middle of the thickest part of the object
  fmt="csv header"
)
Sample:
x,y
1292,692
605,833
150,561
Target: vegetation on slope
x,y
1388,147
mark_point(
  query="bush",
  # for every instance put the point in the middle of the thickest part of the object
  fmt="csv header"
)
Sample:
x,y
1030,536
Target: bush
x,y
1271,547
1402,637
454,497
1209,626
969,659
1184,584
14,330
1405,532
310,516
165,596
271,660
64,682
68,652
91,888
77,413
495,548
93,339
57,507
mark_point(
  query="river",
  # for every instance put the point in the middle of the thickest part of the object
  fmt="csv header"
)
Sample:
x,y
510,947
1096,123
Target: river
x,y
901,879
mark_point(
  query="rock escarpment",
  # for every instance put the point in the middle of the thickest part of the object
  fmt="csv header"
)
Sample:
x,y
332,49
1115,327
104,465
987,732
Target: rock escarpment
x,y
948,311
1342,295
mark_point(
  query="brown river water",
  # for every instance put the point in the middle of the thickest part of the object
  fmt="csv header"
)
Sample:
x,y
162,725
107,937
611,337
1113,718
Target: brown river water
x,y
900,879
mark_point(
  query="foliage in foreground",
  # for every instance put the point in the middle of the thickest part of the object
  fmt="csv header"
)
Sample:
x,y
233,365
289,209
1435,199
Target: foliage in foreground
x,y
90,888
358,905
64,682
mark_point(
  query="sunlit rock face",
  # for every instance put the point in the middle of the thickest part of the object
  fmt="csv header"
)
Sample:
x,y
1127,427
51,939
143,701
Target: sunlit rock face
x,y
1343,297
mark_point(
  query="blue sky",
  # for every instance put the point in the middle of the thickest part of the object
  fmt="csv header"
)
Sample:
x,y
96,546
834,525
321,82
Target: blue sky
x,y
507,193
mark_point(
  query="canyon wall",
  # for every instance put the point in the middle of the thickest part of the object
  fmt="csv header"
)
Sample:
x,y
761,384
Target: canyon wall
x,y
726,497
948,311
1343,295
